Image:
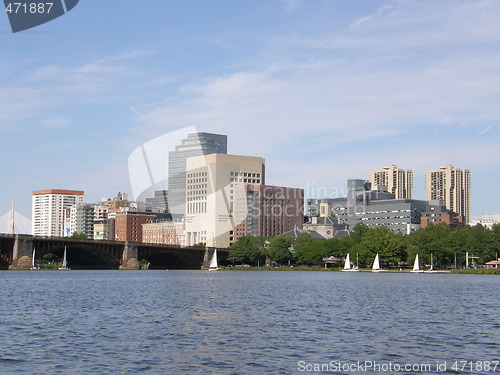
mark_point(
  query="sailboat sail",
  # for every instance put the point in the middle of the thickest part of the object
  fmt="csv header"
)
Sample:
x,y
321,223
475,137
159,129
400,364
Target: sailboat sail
x,y
347,265
33,267
415,265
213,261
376,264
64,266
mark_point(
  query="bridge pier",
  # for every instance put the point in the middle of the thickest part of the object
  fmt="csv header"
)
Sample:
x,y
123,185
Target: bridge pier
x,y
22,252
129,257
209,251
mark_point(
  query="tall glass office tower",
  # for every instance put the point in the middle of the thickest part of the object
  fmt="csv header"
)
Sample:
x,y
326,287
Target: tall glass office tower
x,y
195,144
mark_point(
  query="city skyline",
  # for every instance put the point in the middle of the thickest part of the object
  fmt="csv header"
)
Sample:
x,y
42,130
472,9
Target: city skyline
x,y
325,91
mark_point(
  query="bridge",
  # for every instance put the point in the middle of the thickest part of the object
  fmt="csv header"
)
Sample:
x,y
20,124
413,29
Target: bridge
x,y
16,253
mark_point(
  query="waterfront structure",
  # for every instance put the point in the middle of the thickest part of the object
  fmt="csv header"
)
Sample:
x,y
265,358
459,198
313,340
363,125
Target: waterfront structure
x,y
48,207
210,185
265,210
196,144
452,186
170,232
79,218
128,225
397,181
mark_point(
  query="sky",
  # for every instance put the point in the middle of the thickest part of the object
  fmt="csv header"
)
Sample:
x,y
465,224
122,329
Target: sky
x,y
324,90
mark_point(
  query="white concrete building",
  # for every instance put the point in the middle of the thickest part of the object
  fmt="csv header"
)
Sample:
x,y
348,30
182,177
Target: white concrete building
x,y
210,182
487,221
48,210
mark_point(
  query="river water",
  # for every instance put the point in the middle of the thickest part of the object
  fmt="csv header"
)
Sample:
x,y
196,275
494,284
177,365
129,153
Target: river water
x,y
247,322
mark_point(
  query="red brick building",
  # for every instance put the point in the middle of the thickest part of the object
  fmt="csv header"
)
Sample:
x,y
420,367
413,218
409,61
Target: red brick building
x,y
265,211
128,225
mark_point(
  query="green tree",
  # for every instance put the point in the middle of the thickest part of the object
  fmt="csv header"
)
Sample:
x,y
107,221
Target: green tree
x,y
279,248
248,249
309,251
80,236
390,246
435,239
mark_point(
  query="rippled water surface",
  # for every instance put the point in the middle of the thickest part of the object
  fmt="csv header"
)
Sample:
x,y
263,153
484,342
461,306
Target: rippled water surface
x,y
244,322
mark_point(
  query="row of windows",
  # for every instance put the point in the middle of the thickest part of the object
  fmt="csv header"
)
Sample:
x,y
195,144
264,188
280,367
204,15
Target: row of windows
x,y
244,174
197,174
197,180
245,180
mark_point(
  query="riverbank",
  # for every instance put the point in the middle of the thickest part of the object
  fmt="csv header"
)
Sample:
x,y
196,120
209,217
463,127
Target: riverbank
x,y
477,271
473,271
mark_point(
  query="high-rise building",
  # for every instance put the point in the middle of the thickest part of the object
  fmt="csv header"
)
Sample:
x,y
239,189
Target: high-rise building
x,y
195,144
452,187
159,203
397,181
48,210
266,211
79,218
210,188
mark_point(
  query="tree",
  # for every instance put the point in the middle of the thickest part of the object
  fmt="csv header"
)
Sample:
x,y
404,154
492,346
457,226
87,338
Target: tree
x,y
309,251
390,246
435,239
80,236
279,248
246,250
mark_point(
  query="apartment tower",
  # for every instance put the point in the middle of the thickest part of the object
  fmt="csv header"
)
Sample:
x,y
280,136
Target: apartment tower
x,y
452,187
397,181
48,210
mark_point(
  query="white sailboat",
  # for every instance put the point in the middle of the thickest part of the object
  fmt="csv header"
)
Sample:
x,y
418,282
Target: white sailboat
x,y
213,262
64,266
431,269
33,267
416,266
347,265
376,265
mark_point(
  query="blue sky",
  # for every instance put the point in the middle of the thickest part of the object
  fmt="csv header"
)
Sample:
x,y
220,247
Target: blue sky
x,y
325,90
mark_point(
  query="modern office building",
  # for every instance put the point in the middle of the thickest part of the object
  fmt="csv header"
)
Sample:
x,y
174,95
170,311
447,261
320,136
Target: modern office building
x,y
196,144
159,203
210,186
376,207
48,210
441,214
452,187
265,211
397,181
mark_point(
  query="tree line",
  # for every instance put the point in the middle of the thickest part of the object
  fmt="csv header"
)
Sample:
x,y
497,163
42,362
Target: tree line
x,y
446,246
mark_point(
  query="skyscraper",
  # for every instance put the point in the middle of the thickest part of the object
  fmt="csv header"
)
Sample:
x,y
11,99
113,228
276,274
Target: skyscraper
x,y
48,208
210,185
195,144
397,181
452,187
